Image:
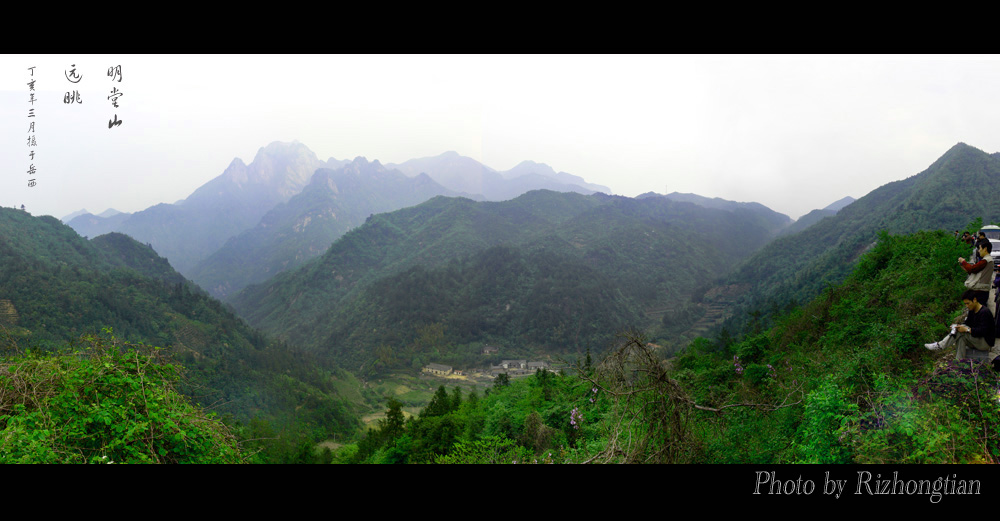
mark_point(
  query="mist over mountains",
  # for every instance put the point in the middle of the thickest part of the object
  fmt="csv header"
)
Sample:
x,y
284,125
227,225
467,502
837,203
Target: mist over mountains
x,y
228,204
295,231
472,179
288,207
815,216
90,225
235,202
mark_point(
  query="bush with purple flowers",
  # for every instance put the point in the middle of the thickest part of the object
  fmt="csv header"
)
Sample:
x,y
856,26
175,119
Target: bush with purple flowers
x,y
575,418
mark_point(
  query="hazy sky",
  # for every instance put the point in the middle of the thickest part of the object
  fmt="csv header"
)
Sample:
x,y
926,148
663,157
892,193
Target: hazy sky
x,y
794,133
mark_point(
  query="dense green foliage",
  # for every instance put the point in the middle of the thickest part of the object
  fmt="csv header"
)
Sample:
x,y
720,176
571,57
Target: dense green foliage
x,y
535,419
106,403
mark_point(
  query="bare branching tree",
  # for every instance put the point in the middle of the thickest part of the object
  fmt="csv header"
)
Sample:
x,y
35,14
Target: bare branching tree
x,y
651,412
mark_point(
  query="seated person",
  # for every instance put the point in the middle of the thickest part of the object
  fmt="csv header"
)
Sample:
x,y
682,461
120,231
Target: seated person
x,y
978,332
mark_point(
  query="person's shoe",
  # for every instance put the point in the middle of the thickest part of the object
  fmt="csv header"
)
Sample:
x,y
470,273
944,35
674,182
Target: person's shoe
x,y
934,346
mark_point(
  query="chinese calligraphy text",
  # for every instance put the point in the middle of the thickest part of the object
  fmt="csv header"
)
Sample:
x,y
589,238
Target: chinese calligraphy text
x,y
32,141
115,73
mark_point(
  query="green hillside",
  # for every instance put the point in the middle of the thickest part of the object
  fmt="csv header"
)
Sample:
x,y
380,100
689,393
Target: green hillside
x,y
807,220
846,378
56,287
122,251
795,268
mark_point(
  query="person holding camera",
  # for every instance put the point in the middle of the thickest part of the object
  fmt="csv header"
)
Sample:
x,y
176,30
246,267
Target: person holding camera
x,y
978,331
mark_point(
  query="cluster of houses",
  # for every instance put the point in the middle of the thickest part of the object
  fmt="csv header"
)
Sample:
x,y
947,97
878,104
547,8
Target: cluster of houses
x,y
518,367
512,368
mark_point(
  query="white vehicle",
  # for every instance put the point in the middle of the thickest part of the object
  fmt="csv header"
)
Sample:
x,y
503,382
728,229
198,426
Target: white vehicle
x,y
993,234
991,231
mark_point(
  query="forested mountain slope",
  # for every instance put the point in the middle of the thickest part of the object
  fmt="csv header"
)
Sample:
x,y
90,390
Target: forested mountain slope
x,y
547,271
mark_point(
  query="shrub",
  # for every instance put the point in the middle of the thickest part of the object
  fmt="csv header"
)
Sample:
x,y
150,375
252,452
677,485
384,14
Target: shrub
x,y
109,403
823,425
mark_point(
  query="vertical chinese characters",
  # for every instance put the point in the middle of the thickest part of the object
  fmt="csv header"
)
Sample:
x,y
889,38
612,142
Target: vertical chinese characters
x,y
32,143
113,73
74,78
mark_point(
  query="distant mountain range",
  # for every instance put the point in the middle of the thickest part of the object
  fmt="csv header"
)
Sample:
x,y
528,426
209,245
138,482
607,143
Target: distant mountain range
x,y
288,207
477,181
225,206
236,202
75,214
295,231
90,225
